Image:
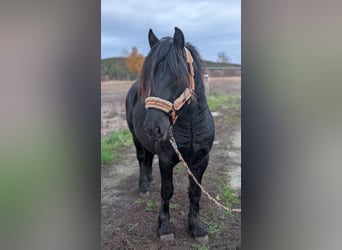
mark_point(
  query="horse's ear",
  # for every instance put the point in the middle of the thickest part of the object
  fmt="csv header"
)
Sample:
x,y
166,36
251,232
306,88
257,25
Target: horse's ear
x,y
178,38
152,39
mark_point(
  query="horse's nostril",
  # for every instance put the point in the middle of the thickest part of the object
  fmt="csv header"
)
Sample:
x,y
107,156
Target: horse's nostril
x,y
153,132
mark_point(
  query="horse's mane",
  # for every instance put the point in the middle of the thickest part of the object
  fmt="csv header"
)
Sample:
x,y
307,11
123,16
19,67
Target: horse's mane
x,y
176,63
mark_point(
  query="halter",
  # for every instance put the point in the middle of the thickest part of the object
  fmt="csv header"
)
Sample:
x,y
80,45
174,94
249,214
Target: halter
x,y
169,107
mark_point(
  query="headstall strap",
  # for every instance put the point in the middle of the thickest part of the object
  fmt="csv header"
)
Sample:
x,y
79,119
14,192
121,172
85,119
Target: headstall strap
x,y
192,73
171,108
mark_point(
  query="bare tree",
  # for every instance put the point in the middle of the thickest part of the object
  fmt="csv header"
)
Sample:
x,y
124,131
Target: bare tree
x,y
124,52
222,57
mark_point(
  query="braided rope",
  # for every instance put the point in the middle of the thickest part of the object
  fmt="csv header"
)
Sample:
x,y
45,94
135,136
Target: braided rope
x,y
175,147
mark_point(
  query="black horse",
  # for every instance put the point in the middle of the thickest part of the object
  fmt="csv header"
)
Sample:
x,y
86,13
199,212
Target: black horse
x,y
167,80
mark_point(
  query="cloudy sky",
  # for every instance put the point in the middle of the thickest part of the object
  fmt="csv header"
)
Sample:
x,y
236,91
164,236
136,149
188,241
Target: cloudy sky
x,y
212,26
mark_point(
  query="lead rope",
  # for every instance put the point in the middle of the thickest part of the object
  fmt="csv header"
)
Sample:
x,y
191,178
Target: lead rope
x,y
180,157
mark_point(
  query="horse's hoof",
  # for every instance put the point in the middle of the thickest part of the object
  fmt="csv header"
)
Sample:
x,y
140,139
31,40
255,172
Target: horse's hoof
x,y
144,194
202,239
167,237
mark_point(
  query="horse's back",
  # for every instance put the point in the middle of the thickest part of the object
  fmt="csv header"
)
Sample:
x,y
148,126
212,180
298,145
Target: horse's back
x,y
131,99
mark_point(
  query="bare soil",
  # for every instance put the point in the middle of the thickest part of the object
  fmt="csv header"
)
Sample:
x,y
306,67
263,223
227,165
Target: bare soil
x,y
130,221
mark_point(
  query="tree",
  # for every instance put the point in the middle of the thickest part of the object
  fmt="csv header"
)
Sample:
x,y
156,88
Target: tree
x,y
134,61
124,52
222,57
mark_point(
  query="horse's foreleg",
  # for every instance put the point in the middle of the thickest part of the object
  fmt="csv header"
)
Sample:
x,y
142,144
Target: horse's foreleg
x,y
145,159
148,166
165,231
196,228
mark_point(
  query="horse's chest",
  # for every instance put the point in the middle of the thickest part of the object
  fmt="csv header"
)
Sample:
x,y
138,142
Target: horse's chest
x,y
195,135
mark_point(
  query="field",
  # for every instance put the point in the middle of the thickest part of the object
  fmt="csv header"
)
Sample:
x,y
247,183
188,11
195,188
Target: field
x,y
130,221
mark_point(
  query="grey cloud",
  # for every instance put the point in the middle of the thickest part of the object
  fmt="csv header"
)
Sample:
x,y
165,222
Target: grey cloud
x,y
212,26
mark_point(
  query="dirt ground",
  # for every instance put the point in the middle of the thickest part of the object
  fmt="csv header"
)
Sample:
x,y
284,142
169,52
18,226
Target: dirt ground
x,y
130,221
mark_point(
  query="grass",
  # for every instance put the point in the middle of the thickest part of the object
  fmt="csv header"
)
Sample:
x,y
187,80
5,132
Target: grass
x,y
229,197
213,228
132,231
173,205
213,223
131,227
232,119
112,143
216,219
139,201
199,247
149,205
179,167
216,101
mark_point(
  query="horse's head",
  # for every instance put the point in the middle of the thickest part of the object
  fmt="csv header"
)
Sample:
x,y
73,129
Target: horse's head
x,y
164,82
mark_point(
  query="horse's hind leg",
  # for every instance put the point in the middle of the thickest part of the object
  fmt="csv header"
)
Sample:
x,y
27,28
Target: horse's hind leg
x,y
165,231
145,159
196,228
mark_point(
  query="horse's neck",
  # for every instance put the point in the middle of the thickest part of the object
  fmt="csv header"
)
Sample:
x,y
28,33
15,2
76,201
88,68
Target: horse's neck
x,y
200,96
197,107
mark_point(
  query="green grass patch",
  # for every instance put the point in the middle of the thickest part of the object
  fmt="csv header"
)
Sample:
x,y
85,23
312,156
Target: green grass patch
x,y
173,205
229,197
150,205
213,229
231,119
199,247
112,143
179,167
216,101
212,226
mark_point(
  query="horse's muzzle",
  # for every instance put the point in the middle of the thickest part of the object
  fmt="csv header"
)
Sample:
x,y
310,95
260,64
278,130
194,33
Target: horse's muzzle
x,y
155,132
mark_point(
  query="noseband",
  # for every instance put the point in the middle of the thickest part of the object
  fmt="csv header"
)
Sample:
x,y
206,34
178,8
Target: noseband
x,y
169,107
